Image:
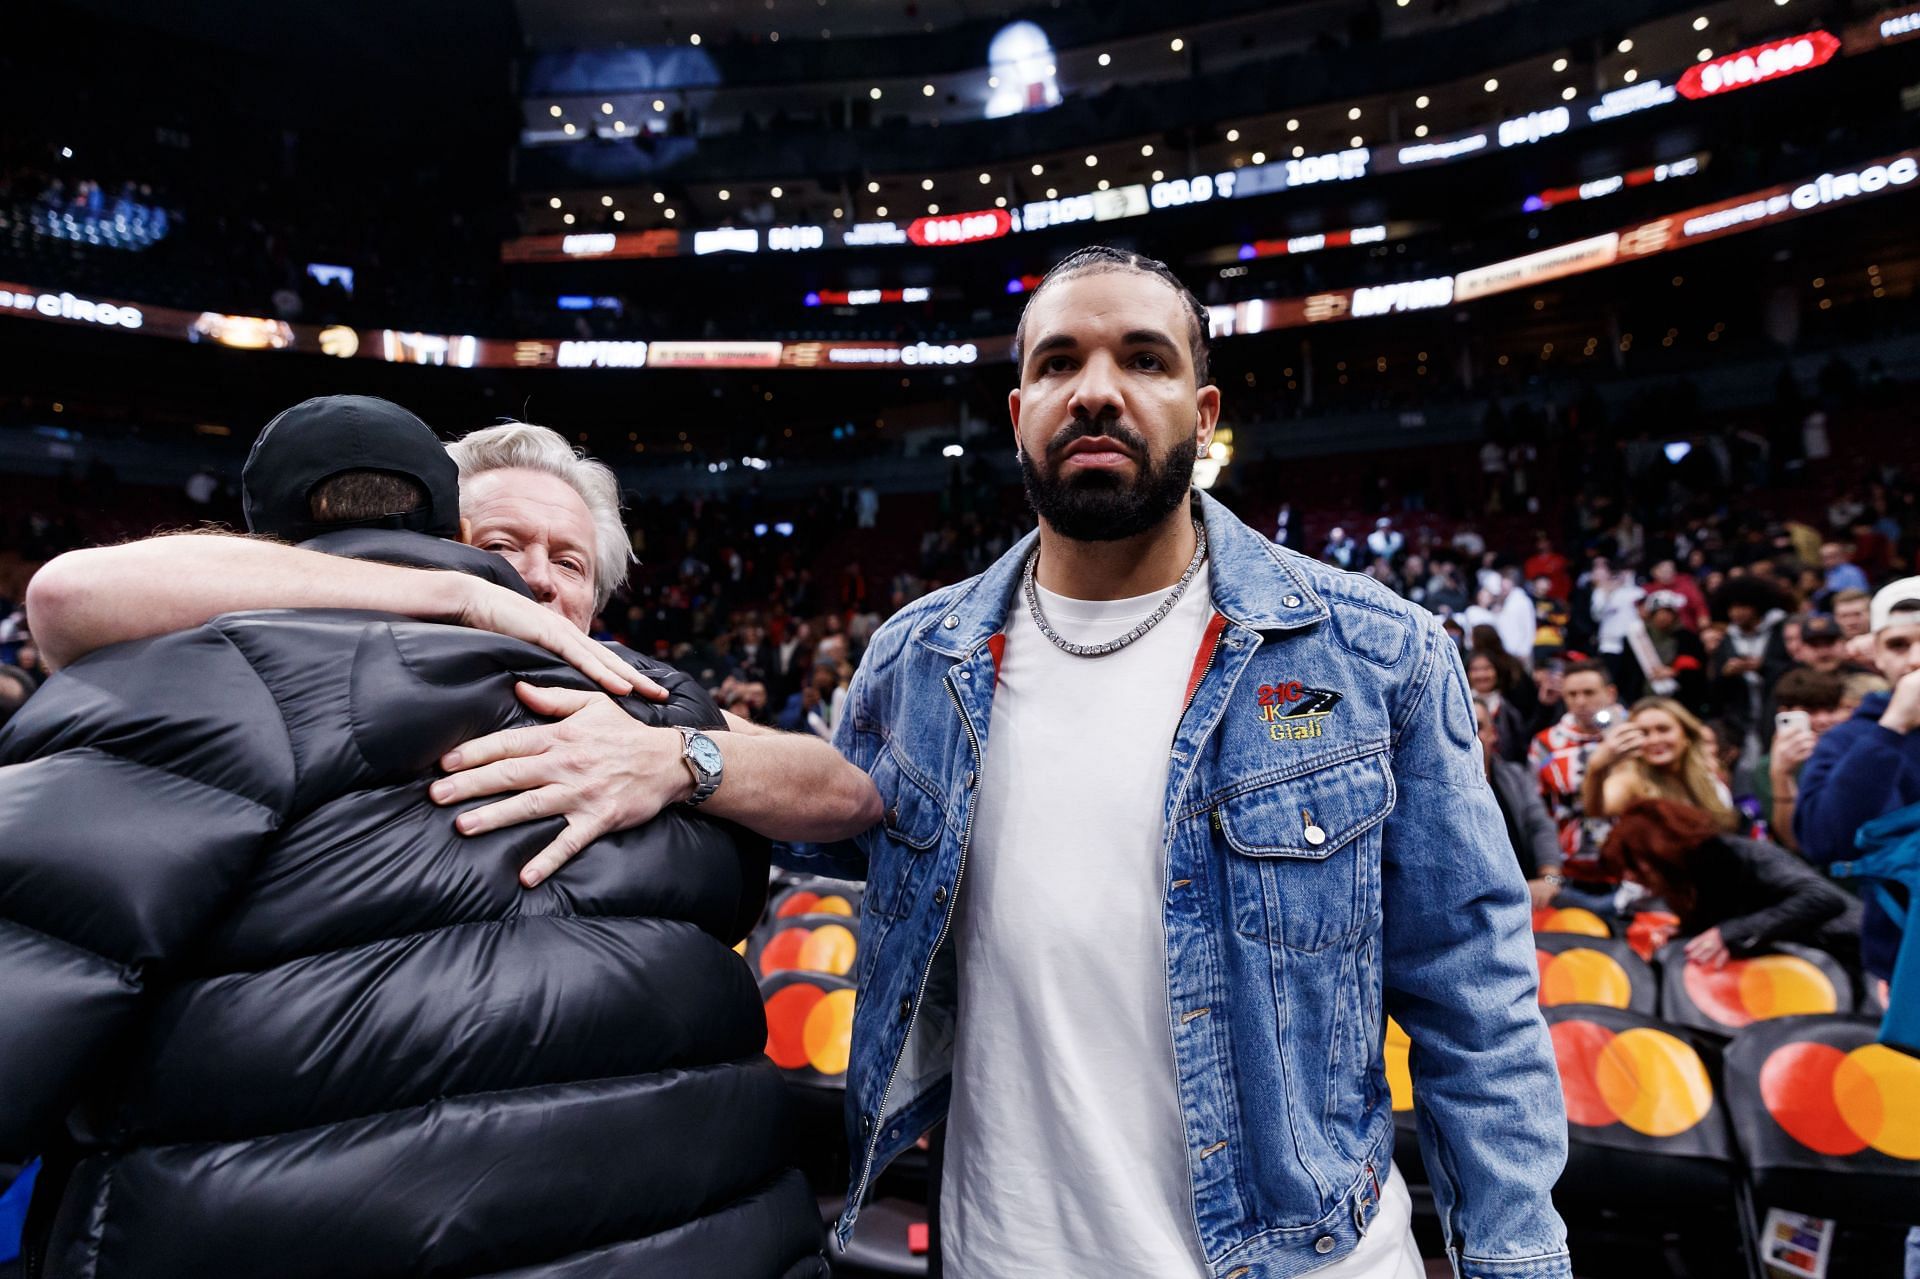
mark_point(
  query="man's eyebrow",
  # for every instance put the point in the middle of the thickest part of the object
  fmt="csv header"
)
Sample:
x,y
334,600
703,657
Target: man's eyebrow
x,y
1149,337
1054,342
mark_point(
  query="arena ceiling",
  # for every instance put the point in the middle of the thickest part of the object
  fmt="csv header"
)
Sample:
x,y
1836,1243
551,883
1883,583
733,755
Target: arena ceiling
x,y
553,24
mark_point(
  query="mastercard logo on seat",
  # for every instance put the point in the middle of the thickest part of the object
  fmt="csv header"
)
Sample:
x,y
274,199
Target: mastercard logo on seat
x,y
1399,1050
1744,991
809,1024
1649,1080
1570,919
805,901
1841,1103
1581,976
809,943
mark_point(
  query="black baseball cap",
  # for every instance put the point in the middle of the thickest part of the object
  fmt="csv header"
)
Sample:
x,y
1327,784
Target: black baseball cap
x,y
322,437
1821,629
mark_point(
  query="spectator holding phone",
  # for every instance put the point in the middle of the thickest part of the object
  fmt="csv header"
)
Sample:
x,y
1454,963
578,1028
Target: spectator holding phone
x,y
1663,751
1810,702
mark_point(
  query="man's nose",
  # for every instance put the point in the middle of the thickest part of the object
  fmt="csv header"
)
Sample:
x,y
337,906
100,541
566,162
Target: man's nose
x,y
1097,390
537,573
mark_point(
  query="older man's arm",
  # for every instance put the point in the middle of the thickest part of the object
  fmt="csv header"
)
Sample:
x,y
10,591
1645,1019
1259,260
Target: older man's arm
x,y
85,600
602,770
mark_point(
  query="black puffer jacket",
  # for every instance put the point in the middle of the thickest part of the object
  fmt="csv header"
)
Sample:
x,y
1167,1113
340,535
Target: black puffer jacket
x,y
296,1026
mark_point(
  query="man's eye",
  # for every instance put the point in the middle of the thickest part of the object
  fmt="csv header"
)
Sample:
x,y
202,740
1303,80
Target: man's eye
x,y
1056,364
1149,361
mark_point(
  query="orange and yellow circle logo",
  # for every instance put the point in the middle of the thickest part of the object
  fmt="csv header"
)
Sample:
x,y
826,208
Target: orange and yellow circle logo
x,y
808,1026
1646,1079
1840,1103
1582,976
1570,919
1399,1072
829,948
807,902
1744,991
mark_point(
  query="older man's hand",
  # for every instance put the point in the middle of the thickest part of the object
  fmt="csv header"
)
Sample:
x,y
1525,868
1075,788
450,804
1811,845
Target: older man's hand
x,y
599,768
487,607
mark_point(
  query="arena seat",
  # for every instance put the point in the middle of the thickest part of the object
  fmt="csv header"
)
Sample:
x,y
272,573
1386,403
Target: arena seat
x,y
1576,969
807,943
1827,1119
1780,981
815,897
1646,1127
809,1026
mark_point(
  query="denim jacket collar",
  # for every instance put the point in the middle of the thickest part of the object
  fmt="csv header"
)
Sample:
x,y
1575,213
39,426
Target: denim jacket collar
x,y
1245,589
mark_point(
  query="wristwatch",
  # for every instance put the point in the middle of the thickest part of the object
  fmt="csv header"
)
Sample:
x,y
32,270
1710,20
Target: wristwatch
x,y
704,761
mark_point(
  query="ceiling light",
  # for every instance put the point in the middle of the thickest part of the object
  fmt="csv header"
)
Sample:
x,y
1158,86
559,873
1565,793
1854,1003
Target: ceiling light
x,y
669,214
659,197
1106,59
553,202
1159,175
1259,157
881,211
659,105
1625,46
839,213
606,108
725,194
1052,193
606,202
1559,64
999,202
1630,75
1293,126
554,111
1420,103
1569,93
619,126
1037,170
873,188
1491,84
570,130
993,82
619,215
985,178
567,218
926,184
1233,135
1704,55
1146,149
1353,113
926,91
694,38
1177,44
776,193
933,208
1700,23
1092,160
1420,131
1355,140
1104,184
874,93
1298,152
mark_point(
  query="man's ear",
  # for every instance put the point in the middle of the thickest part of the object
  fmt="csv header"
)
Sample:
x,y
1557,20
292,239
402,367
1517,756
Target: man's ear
x,y
466,530
1206,404
1013,413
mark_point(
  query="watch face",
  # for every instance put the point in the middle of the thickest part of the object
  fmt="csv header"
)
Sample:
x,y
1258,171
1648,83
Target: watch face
x,y
705,754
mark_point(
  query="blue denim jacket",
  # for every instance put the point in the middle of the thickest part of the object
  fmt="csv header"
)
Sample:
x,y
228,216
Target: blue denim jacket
x,y
1333,855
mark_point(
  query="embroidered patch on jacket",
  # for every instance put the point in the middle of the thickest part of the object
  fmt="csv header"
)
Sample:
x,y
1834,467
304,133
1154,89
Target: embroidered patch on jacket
x,y
1293,712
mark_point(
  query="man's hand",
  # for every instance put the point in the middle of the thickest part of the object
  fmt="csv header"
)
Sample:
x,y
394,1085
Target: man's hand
x,y
1542,892
599,768
1621,742
1791,748
1709,949
487,607
1903,712
1740,666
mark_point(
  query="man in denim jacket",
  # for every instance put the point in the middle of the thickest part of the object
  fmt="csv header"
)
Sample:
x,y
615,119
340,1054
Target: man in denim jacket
x,y
1175,818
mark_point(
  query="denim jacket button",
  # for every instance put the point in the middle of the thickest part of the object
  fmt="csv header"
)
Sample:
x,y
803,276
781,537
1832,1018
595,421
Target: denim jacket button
x,y
1293,601
940,895
1323,1245
906,1009
1316,836
952,621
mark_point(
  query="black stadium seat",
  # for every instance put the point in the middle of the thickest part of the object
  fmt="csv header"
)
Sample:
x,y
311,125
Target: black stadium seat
x,y
1781,981
1591,970
1827,1119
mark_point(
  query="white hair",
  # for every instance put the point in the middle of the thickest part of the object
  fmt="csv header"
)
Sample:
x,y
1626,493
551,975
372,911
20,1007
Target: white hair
x,y
536,448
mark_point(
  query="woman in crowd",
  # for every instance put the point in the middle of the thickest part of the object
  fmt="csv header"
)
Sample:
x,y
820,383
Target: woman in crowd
x,y
1510,725
1734,895
1663,751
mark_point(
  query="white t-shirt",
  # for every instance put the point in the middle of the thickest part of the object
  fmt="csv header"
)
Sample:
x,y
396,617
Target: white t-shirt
x,y
1064,1141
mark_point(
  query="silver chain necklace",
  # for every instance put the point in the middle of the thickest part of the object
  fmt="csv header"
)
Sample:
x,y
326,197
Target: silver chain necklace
x,y
1114,645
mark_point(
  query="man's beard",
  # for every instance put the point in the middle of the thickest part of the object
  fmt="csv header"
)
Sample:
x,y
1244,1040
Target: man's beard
x,y
1104,506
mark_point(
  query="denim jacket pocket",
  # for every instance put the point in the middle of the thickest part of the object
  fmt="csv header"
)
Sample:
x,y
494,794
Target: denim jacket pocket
x,y
904,842
1304,853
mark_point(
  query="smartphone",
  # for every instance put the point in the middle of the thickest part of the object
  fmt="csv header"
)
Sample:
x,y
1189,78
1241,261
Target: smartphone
x,y
1791,719
1603,720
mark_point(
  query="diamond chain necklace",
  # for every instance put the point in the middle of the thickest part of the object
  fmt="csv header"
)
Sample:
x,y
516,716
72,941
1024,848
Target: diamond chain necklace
x,y
1114,645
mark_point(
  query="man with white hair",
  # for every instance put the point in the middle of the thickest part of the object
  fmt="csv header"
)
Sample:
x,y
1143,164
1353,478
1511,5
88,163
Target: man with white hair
x,y
554,516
